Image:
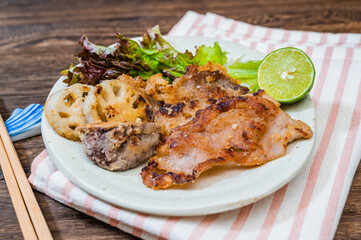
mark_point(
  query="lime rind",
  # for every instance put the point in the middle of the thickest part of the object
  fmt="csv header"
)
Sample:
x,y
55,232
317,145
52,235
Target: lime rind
x,y
278,61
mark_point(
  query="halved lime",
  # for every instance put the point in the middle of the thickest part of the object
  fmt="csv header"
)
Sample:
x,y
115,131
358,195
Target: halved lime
x,y
286,74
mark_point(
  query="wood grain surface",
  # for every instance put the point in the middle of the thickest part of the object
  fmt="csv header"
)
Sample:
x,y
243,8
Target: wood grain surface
x,y
39,38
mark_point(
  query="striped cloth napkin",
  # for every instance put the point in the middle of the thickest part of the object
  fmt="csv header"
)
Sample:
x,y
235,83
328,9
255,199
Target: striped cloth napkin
x,y
310,206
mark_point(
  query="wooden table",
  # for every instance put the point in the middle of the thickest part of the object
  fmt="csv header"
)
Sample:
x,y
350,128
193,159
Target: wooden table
x,y
39,38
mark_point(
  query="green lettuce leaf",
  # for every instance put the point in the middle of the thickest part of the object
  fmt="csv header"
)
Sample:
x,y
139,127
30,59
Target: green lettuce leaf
x,y
213,54
245,72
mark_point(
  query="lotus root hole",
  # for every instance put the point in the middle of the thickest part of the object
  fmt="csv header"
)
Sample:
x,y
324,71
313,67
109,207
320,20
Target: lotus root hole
x,y
116,90
101,114
64,115
105,96
72,127
69,100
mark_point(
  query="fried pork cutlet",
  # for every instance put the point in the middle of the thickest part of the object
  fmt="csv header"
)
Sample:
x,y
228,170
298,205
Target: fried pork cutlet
x,y
119,146
178,102
248,130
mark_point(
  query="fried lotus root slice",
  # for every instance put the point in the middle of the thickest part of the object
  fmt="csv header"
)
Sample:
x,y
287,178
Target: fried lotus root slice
x,y
115,101
64,110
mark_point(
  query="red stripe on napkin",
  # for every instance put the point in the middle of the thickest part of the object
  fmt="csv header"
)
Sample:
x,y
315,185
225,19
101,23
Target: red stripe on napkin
x,y
138,224
238,224
167,227
322,76
88,205
36,163
272,213
203,226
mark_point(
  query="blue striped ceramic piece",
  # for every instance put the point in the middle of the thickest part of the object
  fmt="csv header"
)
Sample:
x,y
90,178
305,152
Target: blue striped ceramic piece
x,y
24,123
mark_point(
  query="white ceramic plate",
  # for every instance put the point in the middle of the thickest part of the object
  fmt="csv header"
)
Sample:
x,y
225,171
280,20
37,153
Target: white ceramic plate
x,y
215,191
